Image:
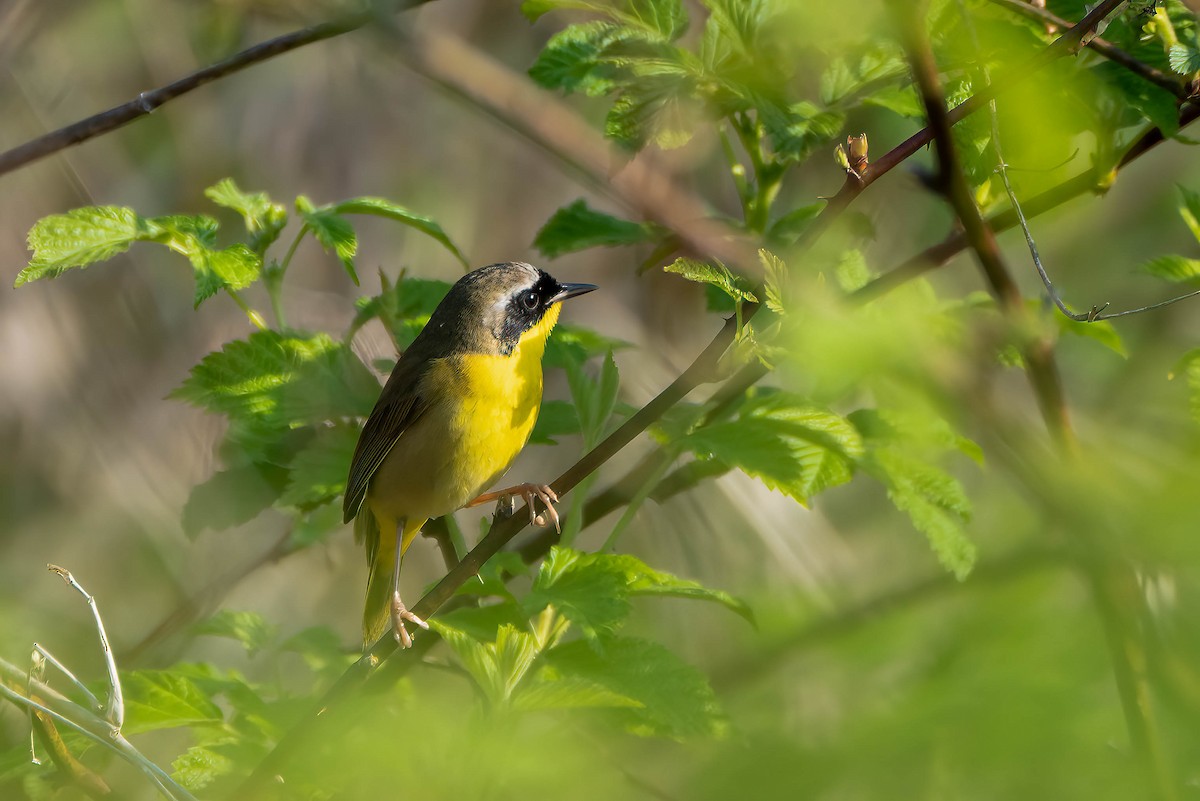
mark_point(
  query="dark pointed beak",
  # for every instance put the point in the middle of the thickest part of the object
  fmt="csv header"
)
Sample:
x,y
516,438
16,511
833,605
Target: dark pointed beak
x,y
571,290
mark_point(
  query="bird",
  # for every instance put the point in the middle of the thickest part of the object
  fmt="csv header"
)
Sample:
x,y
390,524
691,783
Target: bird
x,y
456,410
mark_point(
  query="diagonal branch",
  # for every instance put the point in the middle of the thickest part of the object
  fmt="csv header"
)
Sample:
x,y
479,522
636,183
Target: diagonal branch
x,y
146,102
1105,48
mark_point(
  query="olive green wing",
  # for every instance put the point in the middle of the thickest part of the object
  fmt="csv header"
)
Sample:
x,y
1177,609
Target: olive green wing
x,y
398,408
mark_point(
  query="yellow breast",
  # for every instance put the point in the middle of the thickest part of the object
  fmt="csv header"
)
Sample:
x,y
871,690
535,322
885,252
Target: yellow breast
x,y
482,411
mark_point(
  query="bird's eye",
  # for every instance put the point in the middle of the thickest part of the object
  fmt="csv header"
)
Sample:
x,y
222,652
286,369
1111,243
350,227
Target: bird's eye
x,y
530,300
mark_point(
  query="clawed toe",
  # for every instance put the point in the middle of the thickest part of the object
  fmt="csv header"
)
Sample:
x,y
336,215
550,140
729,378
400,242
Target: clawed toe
x,y
400,614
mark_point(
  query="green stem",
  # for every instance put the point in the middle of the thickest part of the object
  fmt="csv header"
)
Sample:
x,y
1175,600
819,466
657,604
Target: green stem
x,y
274,280
255,317
738,171
665,458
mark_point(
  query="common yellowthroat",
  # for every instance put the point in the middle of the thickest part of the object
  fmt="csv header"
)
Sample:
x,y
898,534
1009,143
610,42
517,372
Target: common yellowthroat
x,y
457,409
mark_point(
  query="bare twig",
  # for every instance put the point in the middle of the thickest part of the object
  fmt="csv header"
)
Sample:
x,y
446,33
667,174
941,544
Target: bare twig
x,y
44,699
114,709
146,102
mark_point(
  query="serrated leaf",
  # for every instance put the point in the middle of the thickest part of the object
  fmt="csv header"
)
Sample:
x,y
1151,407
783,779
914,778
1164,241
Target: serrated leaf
x,y
791,447
641,579
935,503
163,699
1175,269
199,766
775,275
556,419
674,698
263,217
79,238
578,227
332,230
550,691
318,472
232,497
234,268
717,275
571,60
275,381
1183,59
797,129
379,207
499,666
590,590
250,629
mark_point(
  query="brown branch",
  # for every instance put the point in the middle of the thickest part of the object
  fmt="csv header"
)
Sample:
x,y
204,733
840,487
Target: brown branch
x,y
1111,578
937,255
1103,47
146,102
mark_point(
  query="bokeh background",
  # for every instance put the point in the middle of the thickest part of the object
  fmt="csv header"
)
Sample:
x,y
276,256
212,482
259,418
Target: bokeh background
x,y
873,673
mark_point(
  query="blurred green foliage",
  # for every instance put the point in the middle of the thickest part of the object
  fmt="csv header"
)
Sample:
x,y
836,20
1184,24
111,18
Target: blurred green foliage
x,y
1051,656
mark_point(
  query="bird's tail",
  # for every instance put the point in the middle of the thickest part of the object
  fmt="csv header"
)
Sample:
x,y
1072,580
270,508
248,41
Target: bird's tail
x,y
381,560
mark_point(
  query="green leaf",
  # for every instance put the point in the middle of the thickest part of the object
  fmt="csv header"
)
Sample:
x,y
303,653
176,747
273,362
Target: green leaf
x,y
1183,59
318,472
497,667
796,130
641,579
404,307
332,230
161,699
673,698
852,271
775,273
250,629
790,446
79,238
594,398
590,590
272,381
1175,269
1101,331
199,766
1189,210
717,275
788,228
556,419
572,61
380,207
570,344
234,268
935,503
232,497
577,227
263,217
549,690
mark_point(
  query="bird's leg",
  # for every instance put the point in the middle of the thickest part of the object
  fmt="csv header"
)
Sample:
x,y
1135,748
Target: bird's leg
x,y
528,492
399,611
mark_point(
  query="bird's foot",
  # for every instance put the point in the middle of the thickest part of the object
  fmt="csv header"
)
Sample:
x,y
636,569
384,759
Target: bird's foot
x,y
528,492
400,614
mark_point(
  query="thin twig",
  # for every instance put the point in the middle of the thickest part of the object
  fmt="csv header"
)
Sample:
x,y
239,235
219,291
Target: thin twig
x,y
114,710
49,701
937,255
147,102
79,685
